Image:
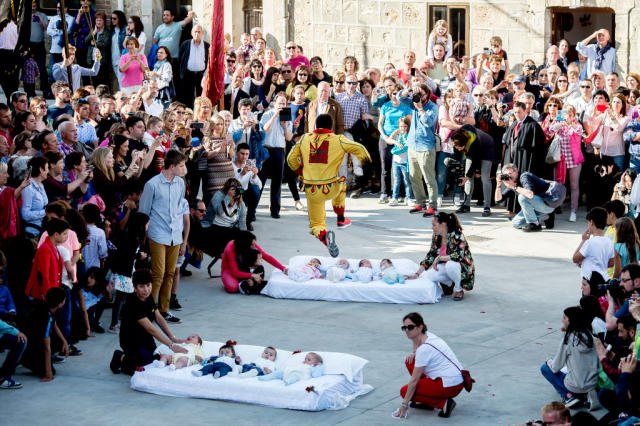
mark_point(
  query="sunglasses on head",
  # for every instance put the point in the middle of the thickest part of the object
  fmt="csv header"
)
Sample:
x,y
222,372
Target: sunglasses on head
x,y
408,327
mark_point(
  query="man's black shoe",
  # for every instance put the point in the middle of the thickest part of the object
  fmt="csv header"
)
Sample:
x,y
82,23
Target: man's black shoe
x,y
275,215
532,227
463,209
551,221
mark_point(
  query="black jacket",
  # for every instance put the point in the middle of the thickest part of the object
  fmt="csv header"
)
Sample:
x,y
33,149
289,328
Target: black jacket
x,y
227,100
185,50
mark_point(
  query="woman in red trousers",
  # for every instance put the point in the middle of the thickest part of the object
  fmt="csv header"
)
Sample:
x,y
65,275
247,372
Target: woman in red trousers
x,y
435,371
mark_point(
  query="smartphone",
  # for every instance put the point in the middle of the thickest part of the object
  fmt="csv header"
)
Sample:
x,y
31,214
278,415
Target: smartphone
x,y
197,125
413,72
601,108
90,167
285,114
29,172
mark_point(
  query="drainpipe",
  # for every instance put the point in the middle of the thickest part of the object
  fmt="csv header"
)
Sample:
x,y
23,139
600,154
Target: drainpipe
x,y
285,21
629,38
120,4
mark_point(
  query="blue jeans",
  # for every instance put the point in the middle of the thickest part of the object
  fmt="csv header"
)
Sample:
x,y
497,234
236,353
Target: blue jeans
x,y
556,380
400,174
252,366
532,210
634,164
220,367
618,160
441,171
251,198
16,349
64,315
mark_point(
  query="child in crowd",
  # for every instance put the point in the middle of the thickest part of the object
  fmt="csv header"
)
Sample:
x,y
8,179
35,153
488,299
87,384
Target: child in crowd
x,y
220,365
88,297
400,161
339,271
195,355
306,272
364,273
615,210
595,252
243,53
253,265
266,364
94,252
495,47
389,273
7,307
440,34
459,106
311,367
298,108
30,73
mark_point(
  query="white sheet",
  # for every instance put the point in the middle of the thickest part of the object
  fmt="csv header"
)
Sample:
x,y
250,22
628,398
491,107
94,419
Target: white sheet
x,y
420,290
342,382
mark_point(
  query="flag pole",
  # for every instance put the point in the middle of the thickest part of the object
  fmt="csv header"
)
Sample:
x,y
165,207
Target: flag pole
x,y
63,18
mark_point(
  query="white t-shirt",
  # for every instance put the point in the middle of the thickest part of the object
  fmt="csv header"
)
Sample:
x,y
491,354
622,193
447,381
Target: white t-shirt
x,y
596,251
598,326
435,364
66,257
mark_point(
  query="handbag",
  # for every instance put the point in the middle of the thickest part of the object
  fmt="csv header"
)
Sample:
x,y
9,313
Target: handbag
x,y
467,380
554,154
595,139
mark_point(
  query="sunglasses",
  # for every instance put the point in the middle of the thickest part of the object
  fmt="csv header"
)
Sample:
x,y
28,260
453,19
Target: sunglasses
x,y
285,72
202,210
303,75
257,66
42,106
477,95
585,87
290,47
408,327
124,99
231,61
352,83
563,81
339,82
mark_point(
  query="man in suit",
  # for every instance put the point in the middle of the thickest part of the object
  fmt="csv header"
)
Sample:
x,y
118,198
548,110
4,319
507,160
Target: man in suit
x,y
234,93
323,104
194,55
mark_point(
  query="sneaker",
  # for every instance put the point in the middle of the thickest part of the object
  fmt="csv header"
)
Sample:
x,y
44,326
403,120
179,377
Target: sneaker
x,y
56,359
416,209
429,212
158,364
400,200
334,251
439,204
74,351
169,317
9,383
216,375
486,212
383,199
114,329
463,209
573,401
345,223
594,401
243,288
97,328
550,222
572,217
448,408
411,202
116,362
393,202
532,227
299,205
457,200
174,304
356,194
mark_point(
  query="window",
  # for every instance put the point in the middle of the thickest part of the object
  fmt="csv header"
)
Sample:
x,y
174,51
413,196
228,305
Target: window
x,y
252,14
457,18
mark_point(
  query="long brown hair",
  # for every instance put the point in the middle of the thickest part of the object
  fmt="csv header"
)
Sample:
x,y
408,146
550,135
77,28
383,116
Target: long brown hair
x,y
626,233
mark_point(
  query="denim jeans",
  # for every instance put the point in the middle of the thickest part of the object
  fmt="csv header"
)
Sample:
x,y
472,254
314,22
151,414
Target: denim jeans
x,y
441,171
618,160
634,164
400,175
220,367
251,198
556,379
16,348
532,210
252,366
486,183
64,315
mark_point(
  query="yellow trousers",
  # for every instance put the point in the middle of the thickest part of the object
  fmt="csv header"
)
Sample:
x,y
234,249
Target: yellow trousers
x,y
317,196
163,268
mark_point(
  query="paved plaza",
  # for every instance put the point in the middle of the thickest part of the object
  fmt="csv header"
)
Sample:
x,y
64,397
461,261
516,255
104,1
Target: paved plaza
x,y
502,331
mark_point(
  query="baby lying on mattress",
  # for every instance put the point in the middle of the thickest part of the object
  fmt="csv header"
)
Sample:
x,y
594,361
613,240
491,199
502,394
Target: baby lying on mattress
x,y
341,272
227,363
310,367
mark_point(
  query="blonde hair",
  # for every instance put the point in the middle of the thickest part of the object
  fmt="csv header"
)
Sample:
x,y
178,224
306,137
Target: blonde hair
x,y
461,86
440,23
214,120
197,105
98,159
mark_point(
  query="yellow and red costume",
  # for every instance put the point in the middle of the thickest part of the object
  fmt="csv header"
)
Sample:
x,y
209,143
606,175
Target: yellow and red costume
x,y
317,158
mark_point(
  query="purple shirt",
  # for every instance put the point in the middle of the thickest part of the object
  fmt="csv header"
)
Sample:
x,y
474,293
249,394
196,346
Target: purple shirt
x,y
297,61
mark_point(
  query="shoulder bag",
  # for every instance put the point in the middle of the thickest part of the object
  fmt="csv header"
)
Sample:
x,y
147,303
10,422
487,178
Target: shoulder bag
x,y
467,380
554,154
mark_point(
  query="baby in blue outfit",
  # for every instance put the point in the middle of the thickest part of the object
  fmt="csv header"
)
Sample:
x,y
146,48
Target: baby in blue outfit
x,y
220,365
310,367
389,274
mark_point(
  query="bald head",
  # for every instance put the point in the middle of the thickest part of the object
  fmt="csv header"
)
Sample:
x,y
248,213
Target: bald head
x,y
68,132
324,91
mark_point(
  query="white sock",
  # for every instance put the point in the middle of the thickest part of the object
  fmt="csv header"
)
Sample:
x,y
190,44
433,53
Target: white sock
x,y
216,375
172,367
197,373
157,364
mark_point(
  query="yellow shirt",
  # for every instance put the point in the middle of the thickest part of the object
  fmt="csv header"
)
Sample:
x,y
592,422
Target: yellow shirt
x,y
310,93
320,154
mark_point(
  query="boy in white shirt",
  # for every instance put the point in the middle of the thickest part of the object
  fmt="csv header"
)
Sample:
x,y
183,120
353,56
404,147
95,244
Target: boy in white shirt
x,y
246,173
595,252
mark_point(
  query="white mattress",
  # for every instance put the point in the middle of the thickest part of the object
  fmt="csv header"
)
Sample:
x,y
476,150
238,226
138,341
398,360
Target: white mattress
x,y
420,290
342,382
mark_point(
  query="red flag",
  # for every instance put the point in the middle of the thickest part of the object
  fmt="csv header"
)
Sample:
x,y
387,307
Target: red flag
x,y
215,72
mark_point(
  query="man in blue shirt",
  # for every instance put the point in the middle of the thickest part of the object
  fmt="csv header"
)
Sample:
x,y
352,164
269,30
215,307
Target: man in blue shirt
x,y
601,56
161,200
77,72
168,34
421,142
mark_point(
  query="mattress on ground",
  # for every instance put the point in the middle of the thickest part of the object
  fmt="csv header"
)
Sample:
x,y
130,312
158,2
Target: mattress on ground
x,y
342,382
420,290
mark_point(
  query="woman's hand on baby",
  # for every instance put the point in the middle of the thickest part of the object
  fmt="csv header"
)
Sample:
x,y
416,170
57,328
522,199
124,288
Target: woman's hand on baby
x,y
411,277
179,349
257,278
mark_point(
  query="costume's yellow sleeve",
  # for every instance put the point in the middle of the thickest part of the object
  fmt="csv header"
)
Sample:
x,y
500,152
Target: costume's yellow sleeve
x,y
293,159
356,149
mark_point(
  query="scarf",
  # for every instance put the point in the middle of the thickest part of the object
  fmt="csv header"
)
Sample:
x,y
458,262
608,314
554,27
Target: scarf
x,y
601,51
158,64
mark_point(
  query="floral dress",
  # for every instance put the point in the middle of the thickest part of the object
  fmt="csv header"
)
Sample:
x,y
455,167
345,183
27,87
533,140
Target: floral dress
x,y
458,250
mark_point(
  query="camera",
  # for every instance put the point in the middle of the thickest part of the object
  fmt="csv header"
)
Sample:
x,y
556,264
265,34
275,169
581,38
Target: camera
x,y
613,287
504,108
530,67
456,169
416,98
505,176
239,190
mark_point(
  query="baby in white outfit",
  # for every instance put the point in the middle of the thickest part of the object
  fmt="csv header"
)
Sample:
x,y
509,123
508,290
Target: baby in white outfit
x,y
310,367
193,344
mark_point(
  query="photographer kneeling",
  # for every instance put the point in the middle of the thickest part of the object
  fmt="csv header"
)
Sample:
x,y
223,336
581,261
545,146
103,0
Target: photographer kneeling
x,y
226,216
630,286
538,198
478,149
